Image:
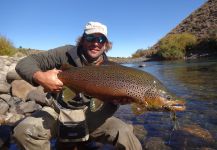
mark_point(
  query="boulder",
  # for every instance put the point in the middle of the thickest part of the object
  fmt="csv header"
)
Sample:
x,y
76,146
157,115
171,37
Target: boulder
x,y
5,97
38,96
3,107
14,101
25,107
4,88
12,75
11,119
155,143
21,88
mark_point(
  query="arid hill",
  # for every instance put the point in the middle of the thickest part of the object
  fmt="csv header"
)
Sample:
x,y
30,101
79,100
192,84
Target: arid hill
x,y
202,22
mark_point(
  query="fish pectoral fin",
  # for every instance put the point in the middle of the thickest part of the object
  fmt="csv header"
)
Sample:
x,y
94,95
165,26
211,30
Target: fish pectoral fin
x,y
68,94
95,104
138,109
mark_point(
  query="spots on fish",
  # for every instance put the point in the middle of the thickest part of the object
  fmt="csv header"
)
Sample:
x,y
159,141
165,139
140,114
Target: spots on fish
x,y
109,82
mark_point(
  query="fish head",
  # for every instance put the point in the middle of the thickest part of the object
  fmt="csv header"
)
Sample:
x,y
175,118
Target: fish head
x,y
165,101
158,100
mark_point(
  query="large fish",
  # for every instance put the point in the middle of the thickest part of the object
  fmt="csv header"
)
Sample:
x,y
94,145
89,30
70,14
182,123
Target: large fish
x,y
109,82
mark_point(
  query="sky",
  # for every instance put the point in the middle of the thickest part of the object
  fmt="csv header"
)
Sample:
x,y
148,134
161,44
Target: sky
x,y
132,24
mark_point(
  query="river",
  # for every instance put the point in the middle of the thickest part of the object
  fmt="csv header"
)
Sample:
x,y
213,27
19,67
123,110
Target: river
x,y
196,82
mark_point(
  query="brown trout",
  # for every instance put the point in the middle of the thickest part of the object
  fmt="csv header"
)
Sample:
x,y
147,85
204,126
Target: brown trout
x,y
110,82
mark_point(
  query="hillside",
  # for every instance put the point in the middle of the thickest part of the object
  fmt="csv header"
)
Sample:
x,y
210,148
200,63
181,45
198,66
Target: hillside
x,y
200,25
202,22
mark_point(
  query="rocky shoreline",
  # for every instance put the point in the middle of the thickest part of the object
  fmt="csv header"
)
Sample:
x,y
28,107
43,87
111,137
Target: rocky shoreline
x,y
18,98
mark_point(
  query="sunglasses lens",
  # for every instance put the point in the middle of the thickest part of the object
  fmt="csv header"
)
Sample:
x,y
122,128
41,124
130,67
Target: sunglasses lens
x,y
89,38
99,39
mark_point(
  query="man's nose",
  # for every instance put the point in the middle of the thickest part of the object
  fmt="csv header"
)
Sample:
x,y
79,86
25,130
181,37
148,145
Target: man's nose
x,y
95,43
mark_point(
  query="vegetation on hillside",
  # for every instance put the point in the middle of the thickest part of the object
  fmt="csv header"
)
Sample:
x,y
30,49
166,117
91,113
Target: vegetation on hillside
x,y
139,53
6,47
174,46
144,53
180,46
206,46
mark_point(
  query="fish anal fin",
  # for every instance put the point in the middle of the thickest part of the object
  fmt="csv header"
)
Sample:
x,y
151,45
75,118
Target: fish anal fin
x,y
138,109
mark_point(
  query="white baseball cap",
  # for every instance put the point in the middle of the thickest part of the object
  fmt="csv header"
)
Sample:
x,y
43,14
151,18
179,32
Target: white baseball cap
x,y
95,27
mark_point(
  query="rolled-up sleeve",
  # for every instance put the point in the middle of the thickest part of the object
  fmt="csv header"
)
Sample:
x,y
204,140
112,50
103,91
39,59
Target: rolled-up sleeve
x,y
43,61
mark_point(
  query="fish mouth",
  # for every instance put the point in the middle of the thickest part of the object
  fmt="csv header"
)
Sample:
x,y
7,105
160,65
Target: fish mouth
x,y
177,105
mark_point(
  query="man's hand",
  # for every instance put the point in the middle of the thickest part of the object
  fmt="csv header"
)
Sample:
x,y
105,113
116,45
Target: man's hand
x,y
49,80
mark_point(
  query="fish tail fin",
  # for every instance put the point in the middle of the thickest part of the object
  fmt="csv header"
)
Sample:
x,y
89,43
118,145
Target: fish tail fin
x,y
138,109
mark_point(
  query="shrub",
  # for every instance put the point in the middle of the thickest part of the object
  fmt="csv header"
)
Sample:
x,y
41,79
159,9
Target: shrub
x,y
174,46
205,46
138,53
6,47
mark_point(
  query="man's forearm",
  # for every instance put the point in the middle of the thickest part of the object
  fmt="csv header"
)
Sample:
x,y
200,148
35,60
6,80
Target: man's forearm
x,y
26,68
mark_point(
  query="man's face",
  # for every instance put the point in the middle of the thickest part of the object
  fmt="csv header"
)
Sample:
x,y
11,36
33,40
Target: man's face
x,y
94,45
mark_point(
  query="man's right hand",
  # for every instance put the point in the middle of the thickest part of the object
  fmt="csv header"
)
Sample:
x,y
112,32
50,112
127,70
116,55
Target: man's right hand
x,y
49,80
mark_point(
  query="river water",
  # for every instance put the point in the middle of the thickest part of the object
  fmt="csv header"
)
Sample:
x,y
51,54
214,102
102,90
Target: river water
x,y
196,82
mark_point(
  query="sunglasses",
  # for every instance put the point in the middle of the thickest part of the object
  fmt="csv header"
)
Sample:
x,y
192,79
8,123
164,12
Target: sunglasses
x,y
99,39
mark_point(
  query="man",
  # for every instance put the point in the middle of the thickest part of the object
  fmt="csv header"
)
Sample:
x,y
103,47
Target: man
x,y
35,132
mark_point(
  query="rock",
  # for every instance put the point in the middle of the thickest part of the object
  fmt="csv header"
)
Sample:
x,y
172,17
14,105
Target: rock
x,y
10,119
21,88
25,107
155,143
14,101
142,65
4,88
192,137
12,67
3,107
38,96
140,132
2,76
12,75
14,119
5,97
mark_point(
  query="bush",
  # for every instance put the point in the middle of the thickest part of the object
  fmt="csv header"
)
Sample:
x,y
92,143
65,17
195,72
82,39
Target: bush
x,y
204,47
6,47
174,46
171,54
138,53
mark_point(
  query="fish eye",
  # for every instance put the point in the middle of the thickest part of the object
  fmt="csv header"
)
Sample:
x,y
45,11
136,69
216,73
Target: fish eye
x,y
168,97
